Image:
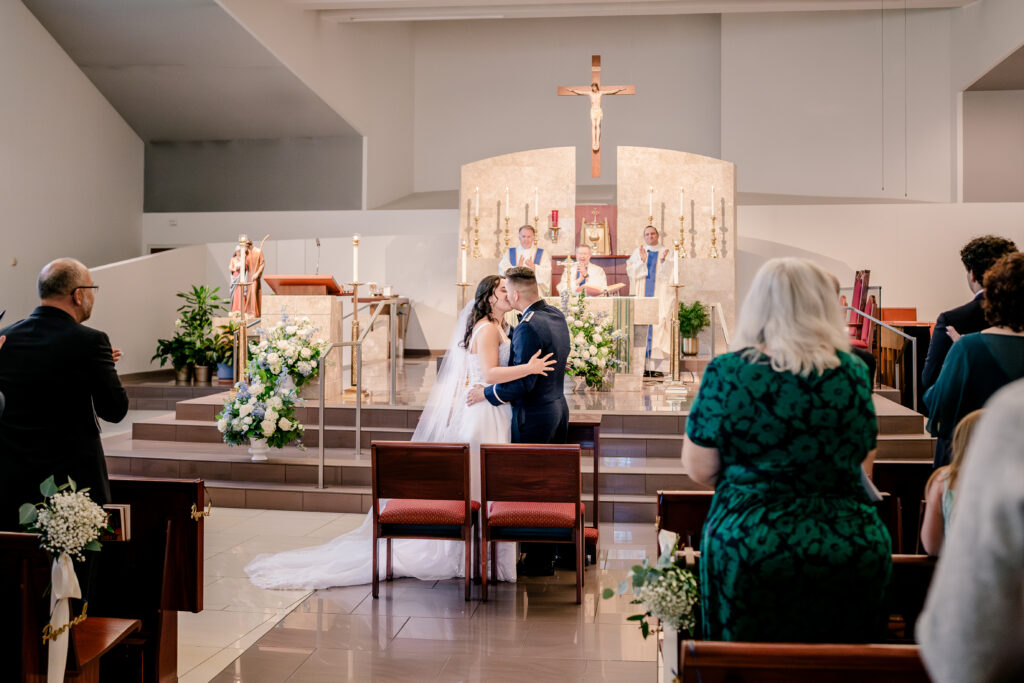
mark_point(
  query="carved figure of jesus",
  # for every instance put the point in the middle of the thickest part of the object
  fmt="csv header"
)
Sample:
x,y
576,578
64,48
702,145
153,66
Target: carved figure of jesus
x,y
595,94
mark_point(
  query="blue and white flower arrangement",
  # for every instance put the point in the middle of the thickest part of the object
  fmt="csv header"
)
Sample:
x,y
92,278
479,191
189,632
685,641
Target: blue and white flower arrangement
x,y
594,341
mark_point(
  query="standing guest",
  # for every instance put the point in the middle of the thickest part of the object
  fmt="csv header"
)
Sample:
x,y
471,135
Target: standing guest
x,y
57,376
649,276
972,627
584,275
793,549
940,490
529,255
981,363
978,255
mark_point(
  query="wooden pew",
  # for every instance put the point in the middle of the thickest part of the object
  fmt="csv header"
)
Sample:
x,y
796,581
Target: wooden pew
x,y
905,479
908,588
157,573
721,662
24,582
585,430
684,513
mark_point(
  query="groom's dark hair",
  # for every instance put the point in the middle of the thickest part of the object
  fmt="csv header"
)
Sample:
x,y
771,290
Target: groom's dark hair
x,y
523,279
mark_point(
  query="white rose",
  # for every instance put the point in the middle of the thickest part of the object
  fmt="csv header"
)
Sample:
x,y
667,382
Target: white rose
x,y
305,352
255,389
270,415
601,363
291,329
598,339
586,355
268,427
222,425
593,350
247,421
177,323
580,339
273,358
285,424
244,410
262,346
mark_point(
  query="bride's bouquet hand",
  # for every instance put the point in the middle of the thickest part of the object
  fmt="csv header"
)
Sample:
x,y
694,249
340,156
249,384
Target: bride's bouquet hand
x,y
538,365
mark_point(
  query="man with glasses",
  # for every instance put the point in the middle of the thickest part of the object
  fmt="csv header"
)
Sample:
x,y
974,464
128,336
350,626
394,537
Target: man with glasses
x,y
58,377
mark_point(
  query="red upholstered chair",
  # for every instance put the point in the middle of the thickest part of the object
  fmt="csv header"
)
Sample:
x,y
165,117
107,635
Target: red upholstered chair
x,y
684,512
858,300
531,493
428,484
867,327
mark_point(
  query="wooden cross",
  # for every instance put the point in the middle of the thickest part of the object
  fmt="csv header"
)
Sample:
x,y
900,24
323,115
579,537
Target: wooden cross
x,y
595,91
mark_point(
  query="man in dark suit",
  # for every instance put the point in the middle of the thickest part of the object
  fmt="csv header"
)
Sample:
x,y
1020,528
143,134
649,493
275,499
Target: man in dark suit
x,y
57,376
978,255
539,411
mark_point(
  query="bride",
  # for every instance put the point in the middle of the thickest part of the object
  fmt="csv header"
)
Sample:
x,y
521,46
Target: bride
x,y
477,354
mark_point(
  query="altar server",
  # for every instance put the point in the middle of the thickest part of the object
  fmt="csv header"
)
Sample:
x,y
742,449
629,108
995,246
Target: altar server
x,y
650,272
584,275
530,255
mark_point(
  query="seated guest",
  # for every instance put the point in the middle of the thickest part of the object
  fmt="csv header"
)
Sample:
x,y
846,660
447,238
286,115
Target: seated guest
x,y
584,275
972,627
649,276
978,255
979,364
941,487
57,376
793,549
530,255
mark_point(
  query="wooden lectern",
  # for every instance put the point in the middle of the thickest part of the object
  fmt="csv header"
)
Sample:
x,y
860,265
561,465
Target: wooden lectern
x,y
303,285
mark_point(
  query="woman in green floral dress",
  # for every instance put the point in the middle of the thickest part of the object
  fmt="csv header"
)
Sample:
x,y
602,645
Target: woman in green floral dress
x,y
793,548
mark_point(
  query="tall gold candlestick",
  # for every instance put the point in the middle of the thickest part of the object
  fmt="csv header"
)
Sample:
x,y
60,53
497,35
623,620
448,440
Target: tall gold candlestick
x,y
682,237
714,248
508,240
476,237
355,337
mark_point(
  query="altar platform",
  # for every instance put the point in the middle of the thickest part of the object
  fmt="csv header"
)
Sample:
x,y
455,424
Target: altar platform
x,y
641,436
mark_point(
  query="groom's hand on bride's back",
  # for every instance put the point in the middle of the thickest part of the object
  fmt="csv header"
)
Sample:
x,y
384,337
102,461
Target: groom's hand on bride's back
x,y
475,395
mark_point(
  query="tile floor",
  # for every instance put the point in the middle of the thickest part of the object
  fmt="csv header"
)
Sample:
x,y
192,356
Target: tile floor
x,y
417,630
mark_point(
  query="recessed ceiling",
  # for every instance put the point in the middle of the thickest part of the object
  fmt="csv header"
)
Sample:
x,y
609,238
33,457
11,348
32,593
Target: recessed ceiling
x,y
344,11
1007,75
181,70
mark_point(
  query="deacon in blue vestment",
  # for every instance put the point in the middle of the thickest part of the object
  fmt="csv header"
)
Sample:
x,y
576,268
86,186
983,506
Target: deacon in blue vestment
x,y
650,272
530,255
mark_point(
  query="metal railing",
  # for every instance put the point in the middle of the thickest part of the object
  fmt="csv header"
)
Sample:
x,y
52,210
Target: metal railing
x,y
357,362
913,353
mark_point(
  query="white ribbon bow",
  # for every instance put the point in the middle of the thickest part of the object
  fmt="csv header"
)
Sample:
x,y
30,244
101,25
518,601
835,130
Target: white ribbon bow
x,y
63,585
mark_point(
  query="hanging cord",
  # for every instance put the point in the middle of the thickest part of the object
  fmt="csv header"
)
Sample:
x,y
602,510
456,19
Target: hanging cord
x,y
881,24
906,104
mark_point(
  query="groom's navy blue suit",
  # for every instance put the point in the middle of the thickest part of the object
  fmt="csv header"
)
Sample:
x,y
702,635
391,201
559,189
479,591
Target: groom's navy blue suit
x,y
539,411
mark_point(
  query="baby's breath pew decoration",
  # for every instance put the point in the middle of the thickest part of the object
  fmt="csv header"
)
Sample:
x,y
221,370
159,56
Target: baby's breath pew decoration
x,y
594,341
668,590
67,521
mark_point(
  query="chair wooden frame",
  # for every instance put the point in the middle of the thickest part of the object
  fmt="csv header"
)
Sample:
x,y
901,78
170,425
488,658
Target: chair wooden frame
x,y
420,471
585,430
531,473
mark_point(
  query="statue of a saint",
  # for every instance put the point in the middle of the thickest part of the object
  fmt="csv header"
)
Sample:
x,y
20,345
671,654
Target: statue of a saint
x,y
246,272
596,114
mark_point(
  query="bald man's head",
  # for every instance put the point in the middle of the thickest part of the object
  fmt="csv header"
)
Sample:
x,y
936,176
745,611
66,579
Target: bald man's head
x,y
59,277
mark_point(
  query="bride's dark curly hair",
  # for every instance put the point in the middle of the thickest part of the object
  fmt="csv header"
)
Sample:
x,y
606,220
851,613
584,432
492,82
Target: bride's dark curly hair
x,y
481,305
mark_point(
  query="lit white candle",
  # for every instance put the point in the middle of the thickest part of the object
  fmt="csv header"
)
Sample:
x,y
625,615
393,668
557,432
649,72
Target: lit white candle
x,y
536,201
463,261
712,200
680,201
476,203
355,257
675,263
650,202
506,201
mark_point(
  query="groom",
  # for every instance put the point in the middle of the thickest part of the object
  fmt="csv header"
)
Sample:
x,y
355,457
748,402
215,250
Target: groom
x,y
539,411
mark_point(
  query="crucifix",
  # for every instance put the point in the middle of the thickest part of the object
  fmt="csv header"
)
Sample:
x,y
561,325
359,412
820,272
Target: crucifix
x,y
595,92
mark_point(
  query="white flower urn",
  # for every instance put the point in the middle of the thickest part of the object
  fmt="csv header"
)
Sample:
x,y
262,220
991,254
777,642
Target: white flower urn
x,y
258,449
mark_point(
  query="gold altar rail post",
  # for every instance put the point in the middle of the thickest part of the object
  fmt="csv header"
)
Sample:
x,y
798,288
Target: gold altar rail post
x,y
913,352
357,364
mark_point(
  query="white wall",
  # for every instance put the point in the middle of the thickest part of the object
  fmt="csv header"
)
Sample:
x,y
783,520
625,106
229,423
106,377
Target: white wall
x,y
993,124
414,251
70,167
912,250
802,104
485,88
364,72
983,34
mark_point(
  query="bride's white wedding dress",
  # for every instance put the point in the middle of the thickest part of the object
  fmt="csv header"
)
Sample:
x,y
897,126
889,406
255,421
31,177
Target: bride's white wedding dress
x,y
346,560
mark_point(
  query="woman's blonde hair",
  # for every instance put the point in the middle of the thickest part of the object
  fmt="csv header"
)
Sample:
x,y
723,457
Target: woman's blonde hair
x,y
961,438
792,315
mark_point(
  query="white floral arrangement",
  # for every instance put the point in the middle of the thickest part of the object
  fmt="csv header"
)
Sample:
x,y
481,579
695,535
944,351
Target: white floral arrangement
x,y
594,341
667,590
263,406
68,520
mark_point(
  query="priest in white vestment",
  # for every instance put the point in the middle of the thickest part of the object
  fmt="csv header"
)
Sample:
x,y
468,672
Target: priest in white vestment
x,y
529,254
583,275
650,272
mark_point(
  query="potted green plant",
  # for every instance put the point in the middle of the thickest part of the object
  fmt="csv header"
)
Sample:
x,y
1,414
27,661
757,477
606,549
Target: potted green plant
x,y
693,319
225,351
197,312
178,351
